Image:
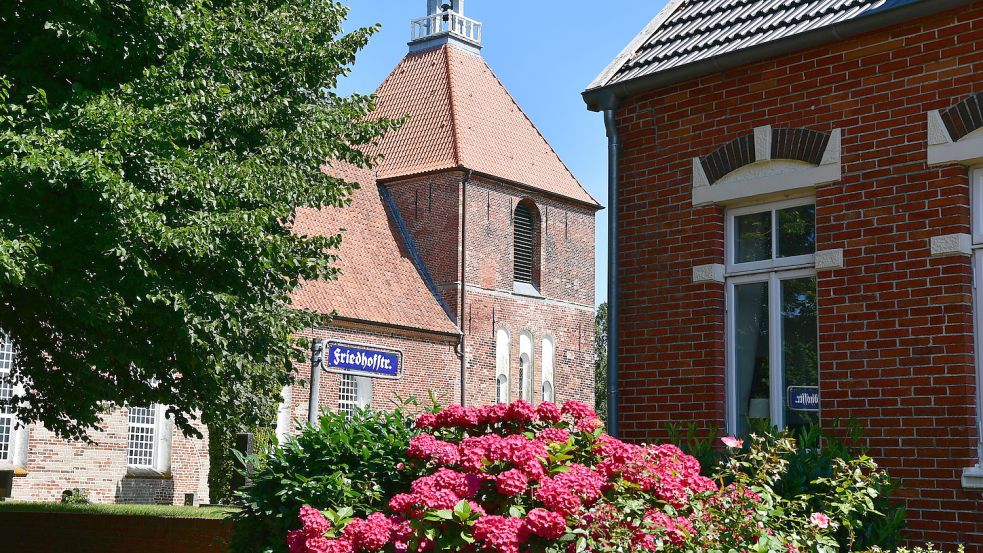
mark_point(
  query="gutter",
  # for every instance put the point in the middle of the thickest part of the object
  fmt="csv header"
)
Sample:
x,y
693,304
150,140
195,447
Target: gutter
x,y
614,177
609,96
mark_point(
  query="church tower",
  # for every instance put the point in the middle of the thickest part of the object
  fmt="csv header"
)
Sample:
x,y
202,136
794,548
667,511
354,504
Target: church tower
x,y
503,230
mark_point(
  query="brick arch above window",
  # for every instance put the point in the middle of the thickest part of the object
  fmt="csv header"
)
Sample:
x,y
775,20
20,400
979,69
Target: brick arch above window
x,y
955,134
768,164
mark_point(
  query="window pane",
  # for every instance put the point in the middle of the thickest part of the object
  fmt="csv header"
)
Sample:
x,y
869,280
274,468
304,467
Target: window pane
x,y
347,394
753,237
800,351
140,438
751,353
797,231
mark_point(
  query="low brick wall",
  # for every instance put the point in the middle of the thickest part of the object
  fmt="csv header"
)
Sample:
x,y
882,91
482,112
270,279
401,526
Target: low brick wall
x,y
86,533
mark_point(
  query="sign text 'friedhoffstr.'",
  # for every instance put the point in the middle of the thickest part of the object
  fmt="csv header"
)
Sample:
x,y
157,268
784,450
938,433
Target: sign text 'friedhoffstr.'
x,y
803,398
363,360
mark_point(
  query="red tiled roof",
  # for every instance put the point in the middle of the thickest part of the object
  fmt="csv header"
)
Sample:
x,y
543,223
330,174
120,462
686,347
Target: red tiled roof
x,y
462,116
379,281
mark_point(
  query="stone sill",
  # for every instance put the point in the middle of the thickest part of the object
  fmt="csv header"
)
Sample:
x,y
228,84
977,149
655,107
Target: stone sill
x,y
527,290
146,473
973,478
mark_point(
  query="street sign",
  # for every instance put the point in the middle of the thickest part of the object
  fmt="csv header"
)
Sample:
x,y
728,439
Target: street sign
x,y
363,360
803,398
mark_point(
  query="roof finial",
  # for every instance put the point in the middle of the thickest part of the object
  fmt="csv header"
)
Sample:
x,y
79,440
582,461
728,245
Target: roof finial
x,y
445,23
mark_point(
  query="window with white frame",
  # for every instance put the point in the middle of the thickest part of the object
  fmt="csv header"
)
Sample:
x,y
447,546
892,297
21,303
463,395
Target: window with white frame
x,y
355,392
7,422
503,356
549,356
142,436
772,337
526,366
148,439
976,194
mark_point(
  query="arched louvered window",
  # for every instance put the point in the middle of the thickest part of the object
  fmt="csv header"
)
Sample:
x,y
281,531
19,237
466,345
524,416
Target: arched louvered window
x,y
524,244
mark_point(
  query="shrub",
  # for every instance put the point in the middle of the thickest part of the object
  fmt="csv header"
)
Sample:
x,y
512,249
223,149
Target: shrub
x,y
811,465
510,478
75,496
342,462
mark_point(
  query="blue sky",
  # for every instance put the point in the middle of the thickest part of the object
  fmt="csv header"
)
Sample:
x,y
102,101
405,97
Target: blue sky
x,y
545,53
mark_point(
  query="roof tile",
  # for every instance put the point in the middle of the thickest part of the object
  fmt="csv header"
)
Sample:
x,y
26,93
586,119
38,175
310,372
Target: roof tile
x,y
690,31
462,116
378,282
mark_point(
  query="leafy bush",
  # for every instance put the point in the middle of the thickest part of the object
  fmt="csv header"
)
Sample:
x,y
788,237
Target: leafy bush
x,y
223,463
874,520
510,478
75,496
341,462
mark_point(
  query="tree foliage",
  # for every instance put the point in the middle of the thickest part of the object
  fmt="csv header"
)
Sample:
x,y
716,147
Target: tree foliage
x,y
153,155
601,361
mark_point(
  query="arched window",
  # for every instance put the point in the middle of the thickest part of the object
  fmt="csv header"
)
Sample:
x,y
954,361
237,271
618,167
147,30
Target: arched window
x,y
502,389
527,374
549,353
503,353
526,258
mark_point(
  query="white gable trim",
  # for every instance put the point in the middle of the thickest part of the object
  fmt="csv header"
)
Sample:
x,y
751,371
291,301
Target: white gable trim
x,y
636,43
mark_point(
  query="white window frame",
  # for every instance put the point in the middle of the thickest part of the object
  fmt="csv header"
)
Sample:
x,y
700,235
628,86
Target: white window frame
x,y
549,361
503,365
772,271
5,371
284,412
775,263
527,374
161,436
776,376
976,203
363,394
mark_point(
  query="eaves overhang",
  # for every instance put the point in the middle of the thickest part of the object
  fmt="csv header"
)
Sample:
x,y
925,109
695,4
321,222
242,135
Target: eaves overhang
x,y
610,96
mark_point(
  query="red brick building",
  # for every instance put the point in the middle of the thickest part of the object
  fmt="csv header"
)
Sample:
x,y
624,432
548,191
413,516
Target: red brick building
x,y
467,272
797,220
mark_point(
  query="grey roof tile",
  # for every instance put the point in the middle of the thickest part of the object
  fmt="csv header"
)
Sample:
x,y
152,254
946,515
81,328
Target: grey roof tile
x,y
697,30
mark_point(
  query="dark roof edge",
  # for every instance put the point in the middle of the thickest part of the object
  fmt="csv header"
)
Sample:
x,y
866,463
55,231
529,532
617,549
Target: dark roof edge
x,y
421,267
396,327
593,205
610,96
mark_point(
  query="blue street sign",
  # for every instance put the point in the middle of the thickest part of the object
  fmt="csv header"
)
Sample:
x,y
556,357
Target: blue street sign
x,y
363,360
803,398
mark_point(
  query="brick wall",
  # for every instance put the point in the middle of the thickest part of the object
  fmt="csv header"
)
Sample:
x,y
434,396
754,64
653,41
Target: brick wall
x,y
55,465
566,310
430,362
896,333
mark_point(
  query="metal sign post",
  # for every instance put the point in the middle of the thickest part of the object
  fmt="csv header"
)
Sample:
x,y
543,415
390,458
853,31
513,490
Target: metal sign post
x,y
317,364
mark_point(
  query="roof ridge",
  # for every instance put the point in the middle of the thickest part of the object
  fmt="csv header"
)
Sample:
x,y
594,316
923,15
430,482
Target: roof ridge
x,y
539,133
455,125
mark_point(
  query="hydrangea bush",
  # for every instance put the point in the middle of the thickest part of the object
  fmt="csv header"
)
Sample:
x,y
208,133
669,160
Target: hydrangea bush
x,y
518,477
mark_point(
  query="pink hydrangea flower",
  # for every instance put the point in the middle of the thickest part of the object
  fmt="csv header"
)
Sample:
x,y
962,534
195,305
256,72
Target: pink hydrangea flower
x,y
819,520
499,534
512,482
550,435
545,523
578,410
312,521
549,413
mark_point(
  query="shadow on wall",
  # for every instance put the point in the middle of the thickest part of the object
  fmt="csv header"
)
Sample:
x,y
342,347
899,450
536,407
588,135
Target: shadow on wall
x,y
152,491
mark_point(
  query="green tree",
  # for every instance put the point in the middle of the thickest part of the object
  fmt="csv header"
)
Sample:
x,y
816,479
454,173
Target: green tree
x,y
601,361
153,155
